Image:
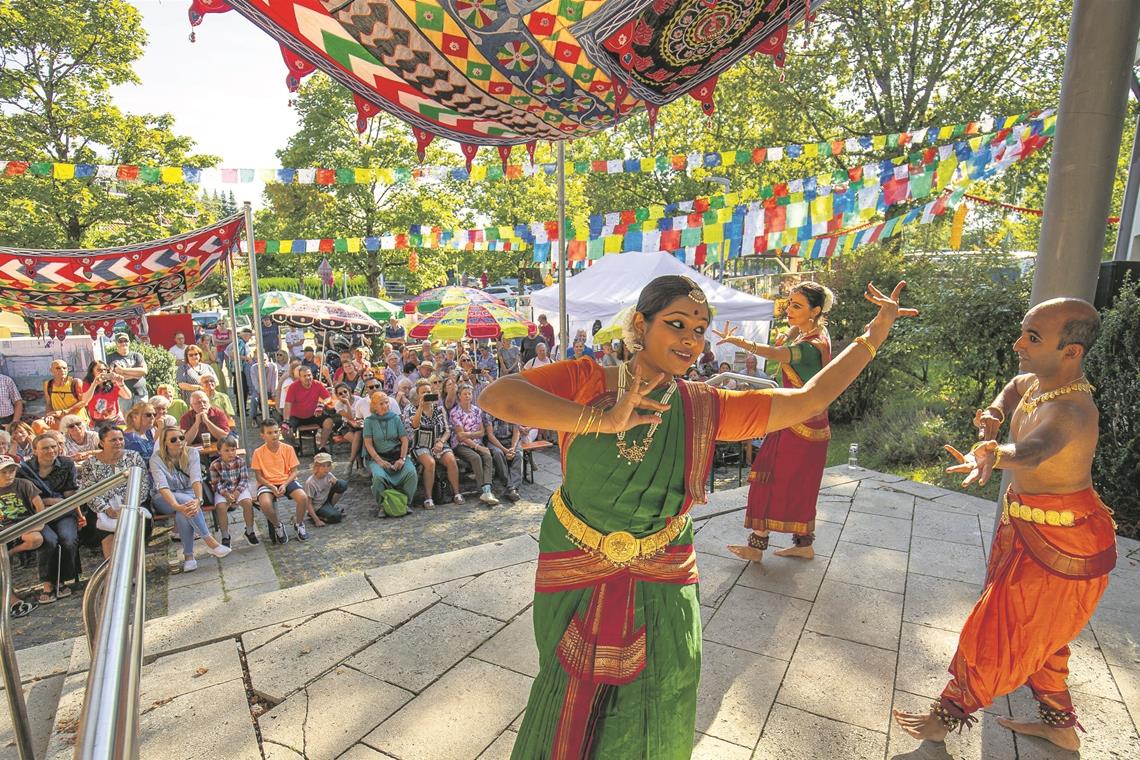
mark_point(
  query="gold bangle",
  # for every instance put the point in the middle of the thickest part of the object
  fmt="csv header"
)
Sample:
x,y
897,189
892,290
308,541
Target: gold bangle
x,y
862,341
1000,413
997,457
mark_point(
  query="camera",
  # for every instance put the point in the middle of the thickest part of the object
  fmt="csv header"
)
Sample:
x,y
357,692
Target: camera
x,y
431,397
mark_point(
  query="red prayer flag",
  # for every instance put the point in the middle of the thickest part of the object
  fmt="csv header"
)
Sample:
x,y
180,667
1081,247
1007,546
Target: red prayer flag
x,y
759,155
326,245
670,240
15,168
128,172
325,176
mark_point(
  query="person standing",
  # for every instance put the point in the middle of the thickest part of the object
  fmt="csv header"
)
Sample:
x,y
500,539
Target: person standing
x,y
11,402
295,341
616,607
394,332
1055,543
190,374
178,350
510,359
528,345
546,330
787,472
270,336
131,366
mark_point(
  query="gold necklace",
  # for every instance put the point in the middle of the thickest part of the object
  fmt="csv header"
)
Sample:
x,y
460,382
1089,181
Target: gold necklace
x,y
635,452
1029,405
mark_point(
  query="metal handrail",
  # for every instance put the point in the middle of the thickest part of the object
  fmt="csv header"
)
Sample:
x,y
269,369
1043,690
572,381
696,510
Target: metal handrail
x,y
759,382
17,708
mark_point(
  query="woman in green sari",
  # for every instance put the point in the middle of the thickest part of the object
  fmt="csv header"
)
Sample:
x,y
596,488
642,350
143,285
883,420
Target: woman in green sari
x,y
616,608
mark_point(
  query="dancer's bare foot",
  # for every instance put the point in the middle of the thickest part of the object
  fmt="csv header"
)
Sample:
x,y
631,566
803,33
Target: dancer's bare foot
x,y
1065,738
805,552
747,552
925,726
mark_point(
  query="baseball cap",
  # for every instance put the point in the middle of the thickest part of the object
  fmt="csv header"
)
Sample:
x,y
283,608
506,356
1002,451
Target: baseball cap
x,y
323,458
6,462
122,338
246,331
308,349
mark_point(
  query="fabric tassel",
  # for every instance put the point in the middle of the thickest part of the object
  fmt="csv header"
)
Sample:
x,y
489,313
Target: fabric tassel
x,y
365,110
298,68
423,140
505,155
530,148
469,152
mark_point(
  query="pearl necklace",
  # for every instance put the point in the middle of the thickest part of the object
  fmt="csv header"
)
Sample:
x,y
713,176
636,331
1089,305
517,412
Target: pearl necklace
x,y
1029,405
635,452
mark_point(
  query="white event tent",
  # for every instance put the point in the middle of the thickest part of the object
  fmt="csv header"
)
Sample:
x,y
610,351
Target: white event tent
x,y
615,281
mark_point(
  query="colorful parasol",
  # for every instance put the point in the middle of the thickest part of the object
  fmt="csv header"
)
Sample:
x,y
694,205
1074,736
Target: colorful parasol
x,y
271,301
612,331
491,72
377,308
448,295
471,320
327,315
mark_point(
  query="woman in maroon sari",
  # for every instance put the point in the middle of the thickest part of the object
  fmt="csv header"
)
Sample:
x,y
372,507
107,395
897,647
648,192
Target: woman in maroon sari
x,y
787,471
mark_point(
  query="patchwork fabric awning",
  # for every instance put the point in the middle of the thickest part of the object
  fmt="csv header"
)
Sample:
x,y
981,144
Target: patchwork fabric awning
x,y
96,287
505,72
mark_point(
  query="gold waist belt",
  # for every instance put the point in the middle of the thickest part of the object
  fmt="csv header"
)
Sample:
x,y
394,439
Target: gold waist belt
x,y
1016,510
620,547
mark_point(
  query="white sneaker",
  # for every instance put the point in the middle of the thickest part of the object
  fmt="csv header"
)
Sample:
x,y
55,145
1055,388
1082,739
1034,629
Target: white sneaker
x,y
219,551
488,498
189,565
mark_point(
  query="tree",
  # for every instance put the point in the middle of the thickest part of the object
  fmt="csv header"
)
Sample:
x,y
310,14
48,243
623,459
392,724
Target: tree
x,y
327,137
59,63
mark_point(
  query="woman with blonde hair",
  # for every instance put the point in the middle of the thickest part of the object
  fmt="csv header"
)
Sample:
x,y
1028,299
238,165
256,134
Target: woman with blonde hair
x,y
176,471
140,429
78,440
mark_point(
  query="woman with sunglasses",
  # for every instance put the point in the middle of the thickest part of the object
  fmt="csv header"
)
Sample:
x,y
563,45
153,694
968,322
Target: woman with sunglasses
x,y
351,424
176,471
191,371
102,392
109,459
139,435
78,440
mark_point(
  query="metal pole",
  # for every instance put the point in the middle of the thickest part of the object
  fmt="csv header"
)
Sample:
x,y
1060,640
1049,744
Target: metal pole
x,y
1127,225
253,289
1094,91
238,369
112,694
21,728
563,317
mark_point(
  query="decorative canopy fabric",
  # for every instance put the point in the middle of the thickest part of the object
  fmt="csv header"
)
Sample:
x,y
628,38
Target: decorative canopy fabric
x,y
448,295
471,320
504,72
96,287
327,315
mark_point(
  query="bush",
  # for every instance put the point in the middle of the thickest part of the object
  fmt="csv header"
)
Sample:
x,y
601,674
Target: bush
x,y
1113,366
907,431
159,364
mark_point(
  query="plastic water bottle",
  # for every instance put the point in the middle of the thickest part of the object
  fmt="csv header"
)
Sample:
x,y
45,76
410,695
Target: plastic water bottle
x,y
853,457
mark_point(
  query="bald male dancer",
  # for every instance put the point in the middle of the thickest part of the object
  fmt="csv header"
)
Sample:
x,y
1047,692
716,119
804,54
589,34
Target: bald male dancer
x,y
1055,543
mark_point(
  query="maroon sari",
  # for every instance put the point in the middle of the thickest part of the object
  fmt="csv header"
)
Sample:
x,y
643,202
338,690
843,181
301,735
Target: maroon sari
x,y
788,469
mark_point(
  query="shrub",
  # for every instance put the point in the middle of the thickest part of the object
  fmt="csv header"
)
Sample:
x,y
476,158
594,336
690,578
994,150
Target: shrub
x,y
1113,366
159,364
906,431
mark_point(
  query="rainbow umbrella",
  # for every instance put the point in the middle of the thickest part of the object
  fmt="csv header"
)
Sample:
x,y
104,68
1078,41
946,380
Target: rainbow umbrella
x,y
327,315
377,308
271,301
448,295
471,320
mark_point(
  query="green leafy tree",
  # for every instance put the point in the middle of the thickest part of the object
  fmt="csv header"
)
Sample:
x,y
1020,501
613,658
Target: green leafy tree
x,y
59,62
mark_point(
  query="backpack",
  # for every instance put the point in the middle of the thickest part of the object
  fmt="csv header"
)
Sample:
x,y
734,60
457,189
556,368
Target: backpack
x,y
394,503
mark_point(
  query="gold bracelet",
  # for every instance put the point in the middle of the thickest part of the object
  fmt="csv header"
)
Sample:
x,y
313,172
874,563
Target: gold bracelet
x,y
1000,412
862,341
997,457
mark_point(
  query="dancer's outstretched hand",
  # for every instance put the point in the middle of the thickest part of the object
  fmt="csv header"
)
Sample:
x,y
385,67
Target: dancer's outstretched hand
x,y
626,414
978,464
727,335
889,307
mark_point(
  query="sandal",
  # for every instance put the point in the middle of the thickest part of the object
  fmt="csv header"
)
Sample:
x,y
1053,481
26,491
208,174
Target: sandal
x,y
22,608
46,597
62,592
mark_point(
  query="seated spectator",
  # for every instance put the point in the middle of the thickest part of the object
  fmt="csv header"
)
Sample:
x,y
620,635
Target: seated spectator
x,y
576,351
54,478
78,441
322,487
309,361
6,445
11,402
305,405
449,394
426,422
218,400
21,443
351,424
448,362
752,368
286,380
425,369
693,374
706,363
392,373
139,434
467,441
529,344
163,390
348,373
424,353
394,332
608,358
203,418
403,394
229,480
190,373
275,467
362,356
386,443
109,459
728,383
176,471
505,441
18,499
102,392
62,394
540,357
162,406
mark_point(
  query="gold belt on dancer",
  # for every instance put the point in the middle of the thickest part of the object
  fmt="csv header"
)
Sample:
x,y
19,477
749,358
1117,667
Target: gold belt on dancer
x,y
1016,510
620,547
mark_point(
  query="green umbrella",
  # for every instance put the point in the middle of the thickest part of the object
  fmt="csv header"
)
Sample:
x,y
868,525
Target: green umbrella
x,y
271,301
377,308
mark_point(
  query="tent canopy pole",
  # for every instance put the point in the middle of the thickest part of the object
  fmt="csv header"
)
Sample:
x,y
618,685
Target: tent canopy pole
x,y
236,357
563,317
256,298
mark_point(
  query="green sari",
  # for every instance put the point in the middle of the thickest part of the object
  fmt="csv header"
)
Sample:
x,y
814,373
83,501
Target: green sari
x,y
645,705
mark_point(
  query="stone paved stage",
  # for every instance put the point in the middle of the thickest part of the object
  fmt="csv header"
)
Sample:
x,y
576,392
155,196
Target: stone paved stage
x,y
431,655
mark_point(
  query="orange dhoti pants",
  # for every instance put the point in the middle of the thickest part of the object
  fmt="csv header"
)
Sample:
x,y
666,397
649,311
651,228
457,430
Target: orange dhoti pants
x,y
1048,568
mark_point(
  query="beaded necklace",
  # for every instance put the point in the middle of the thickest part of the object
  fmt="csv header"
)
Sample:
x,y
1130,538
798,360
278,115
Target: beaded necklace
x,y
635,452
1029,405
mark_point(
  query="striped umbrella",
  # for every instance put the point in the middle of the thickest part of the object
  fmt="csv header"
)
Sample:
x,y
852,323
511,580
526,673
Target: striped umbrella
x,y
271,301
377,308
471,320
327,315
448,295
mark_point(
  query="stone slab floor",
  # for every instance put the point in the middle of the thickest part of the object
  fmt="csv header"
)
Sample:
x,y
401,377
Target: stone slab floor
x,y
432,658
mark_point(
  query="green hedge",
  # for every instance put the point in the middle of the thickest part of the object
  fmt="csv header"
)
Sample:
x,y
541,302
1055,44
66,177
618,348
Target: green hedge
x,y
311,286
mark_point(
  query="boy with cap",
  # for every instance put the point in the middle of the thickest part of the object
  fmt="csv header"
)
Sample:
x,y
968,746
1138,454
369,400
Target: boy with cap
x,y
18,499
322,487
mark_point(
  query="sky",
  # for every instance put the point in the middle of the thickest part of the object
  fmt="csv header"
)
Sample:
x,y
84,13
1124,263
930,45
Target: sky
x,y
226,90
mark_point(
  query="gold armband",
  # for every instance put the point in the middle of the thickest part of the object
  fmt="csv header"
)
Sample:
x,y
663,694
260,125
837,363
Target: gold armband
x,y
1000,414
862,341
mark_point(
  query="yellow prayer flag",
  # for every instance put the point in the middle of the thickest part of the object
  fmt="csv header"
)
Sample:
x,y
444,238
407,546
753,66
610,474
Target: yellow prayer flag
x,y
656,212
957,226
944,133
811,150
612,244
386,176
63,171
1009,121
728,158
878,142
506,233
713,233
724,214
946,169
285,246
478,173
354,245
821,208
975,143
788,237
171,175
362,176
648,164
